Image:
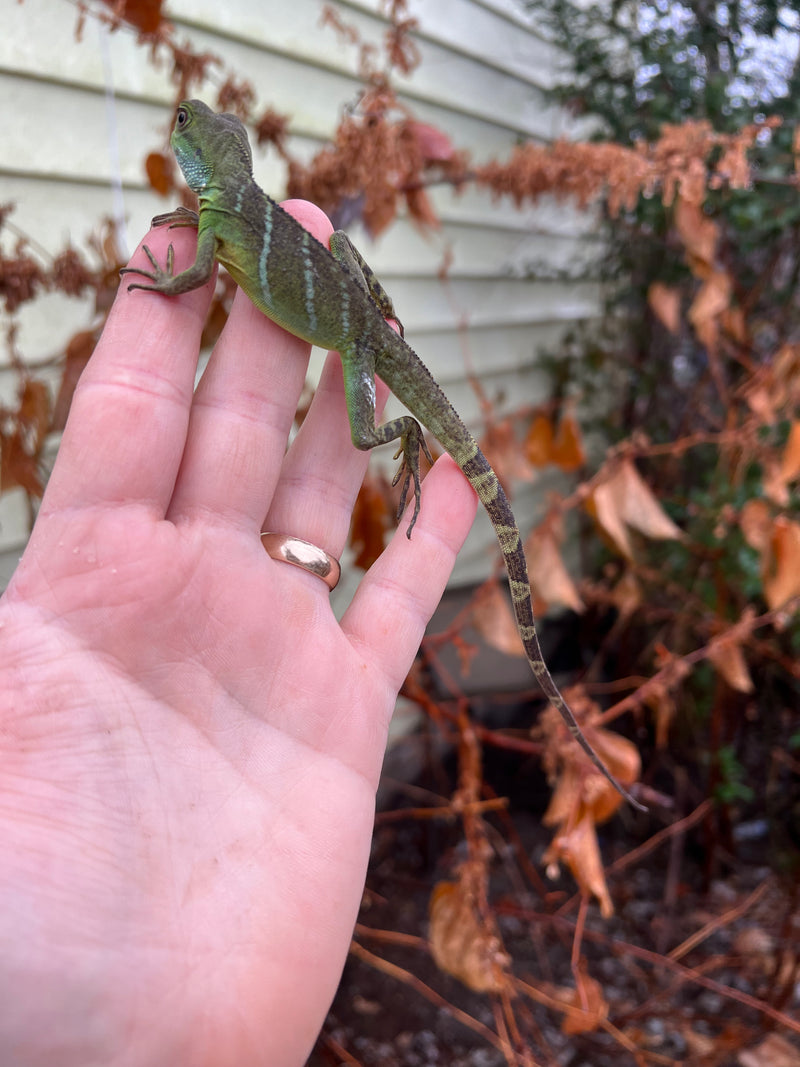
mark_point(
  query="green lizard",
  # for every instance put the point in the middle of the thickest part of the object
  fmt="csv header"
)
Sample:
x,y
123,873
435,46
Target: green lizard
x,y
332,299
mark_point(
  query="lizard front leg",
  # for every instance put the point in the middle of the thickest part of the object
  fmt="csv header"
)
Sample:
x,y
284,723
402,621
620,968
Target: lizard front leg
x,y
163,279
181,216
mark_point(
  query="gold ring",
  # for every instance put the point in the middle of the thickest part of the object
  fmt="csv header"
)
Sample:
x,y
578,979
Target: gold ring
x,y
304,555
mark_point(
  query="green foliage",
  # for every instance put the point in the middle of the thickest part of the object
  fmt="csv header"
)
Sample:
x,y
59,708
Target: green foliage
x,y
680,393
639,65
731,786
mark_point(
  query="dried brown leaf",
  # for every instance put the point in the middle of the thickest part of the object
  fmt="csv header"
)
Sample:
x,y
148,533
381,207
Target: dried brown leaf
x,y
501,447
237,97
698,232
549,576
624,500
70,274
665,303
539,442
579,849
22,438
773,1051
580,788
756,524
568,452
627,594
144,15
434,144
727,656
585,1008
781,565
272,128
79,349
790,461
711,301
492,617
160,172
464,943
371,520
21,278
420,208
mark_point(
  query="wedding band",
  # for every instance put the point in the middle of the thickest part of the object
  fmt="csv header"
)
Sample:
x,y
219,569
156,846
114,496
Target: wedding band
x,y
304,555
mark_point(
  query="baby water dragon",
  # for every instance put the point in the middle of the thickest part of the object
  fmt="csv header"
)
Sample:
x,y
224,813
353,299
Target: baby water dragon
x,y
331,298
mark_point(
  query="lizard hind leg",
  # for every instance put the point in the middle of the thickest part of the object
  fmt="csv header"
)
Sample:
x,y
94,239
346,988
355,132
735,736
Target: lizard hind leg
x,y
359,391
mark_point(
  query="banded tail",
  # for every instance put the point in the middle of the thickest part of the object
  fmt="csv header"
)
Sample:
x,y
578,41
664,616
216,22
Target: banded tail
x,y
485,482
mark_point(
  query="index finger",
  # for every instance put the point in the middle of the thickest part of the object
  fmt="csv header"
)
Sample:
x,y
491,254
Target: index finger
x,y
126,430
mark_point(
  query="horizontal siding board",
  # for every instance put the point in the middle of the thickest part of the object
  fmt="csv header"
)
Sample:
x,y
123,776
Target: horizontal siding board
x,y
484,64
276,57
480,251
481,33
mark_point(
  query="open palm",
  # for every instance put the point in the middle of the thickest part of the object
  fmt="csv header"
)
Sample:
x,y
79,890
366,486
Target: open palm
x,y
189,740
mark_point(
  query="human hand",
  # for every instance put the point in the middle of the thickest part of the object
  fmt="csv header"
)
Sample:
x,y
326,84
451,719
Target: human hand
x,y
190,742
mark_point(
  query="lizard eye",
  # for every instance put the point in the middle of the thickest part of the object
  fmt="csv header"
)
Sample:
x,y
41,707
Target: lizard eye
x,y
181,118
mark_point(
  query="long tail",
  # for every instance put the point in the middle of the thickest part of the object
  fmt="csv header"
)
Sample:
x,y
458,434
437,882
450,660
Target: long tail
x,y
486,484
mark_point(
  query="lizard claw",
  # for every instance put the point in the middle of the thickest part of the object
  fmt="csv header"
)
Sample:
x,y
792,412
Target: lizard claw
x,y
411,443
158,275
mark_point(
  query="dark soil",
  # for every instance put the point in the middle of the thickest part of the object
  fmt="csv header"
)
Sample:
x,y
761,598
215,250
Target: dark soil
x,y
679,1012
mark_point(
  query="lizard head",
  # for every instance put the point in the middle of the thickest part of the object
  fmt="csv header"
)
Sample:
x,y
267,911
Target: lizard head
x,y
209,147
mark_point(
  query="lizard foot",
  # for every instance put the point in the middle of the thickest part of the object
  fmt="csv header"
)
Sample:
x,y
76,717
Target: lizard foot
x,y
411,443
160,277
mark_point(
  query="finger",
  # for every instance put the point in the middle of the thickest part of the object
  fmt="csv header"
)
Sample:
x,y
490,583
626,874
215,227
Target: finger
x,y
400,592
323,470
127,425
243,410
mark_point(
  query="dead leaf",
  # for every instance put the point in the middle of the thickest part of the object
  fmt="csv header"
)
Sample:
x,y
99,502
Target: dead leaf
x,y
727,656
711,301
627,594
756,524
580,789
624,500
775,387
698,232
492,617
568,452
672,670
790,462
734,322
421,210
21,442
160,172
79,349
585,1008
665,303
501,448
782,563
578,848
144,15
271,127
550,578
433,143
774,1051
773,482
463,943
371,520
539,442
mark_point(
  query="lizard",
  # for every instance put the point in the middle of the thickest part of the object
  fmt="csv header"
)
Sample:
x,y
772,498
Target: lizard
x,y
328,296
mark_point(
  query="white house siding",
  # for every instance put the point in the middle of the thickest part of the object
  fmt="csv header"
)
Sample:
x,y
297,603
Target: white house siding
x,y
76,116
